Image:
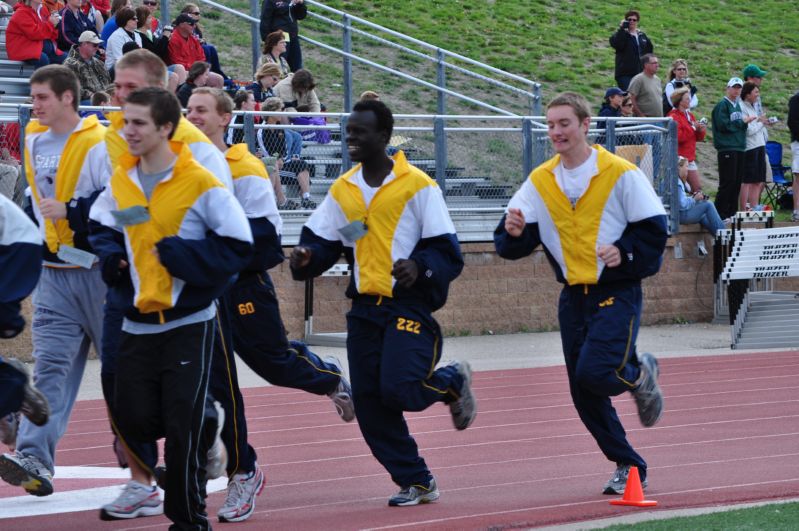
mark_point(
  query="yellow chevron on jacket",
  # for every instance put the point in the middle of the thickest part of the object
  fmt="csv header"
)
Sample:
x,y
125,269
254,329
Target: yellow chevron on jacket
x,y
90,133
170,200
373,251
243,163
118,146
578,227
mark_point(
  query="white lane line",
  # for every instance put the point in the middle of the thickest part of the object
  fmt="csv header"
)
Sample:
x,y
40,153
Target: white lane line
x,y
72,501
559,505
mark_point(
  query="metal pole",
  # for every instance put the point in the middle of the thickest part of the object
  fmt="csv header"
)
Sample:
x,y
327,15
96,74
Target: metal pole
x,y
346,163
255,32
670,175
165,13
249,132
441,154
347,47
537,102
441,82
527,146
610,135
24,118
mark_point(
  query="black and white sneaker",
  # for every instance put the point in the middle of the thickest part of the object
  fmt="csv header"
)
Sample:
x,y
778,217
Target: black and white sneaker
x,y
647,393
342,394
415,494
464,408
618,482
34,404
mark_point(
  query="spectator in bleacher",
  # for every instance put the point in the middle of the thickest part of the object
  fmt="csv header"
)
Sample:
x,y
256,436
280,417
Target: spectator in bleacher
x,y
31,34
689,132
99,99
729,139
12,182
266,78
285,147
645,89
630,45
185,49
283,15
111,22
274,51
143,19
125,33
627,107
754,176
95,16
155,23
53,6
211,55
612,104
298,89
694,205
91,72
244,100
198,77
73,23
678,78
102,6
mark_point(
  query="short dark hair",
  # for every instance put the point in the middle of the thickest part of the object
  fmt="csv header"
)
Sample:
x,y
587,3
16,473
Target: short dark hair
x,y
60,79
100,98
385,119
647,58
747,89
125,15
631,13
164,106
241,98
197,69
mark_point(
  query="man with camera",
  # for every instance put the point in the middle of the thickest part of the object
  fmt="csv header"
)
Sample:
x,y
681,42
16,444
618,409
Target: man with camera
x,y
630,44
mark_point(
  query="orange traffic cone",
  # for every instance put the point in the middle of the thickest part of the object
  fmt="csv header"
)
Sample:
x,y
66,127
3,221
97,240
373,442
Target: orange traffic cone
x,y
633,492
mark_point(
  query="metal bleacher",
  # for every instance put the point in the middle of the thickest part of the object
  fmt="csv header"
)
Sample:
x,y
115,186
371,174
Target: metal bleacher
x,y
14,75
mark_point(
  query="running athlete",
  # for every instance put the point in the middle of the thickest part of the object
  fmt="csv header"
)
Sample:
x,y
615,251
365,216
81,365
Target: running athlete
x,y
390,220
603,229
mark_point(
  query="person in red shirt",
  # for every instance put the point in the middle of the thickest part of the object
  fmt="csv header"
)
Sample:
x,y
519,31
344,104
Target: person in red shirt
x,y
31,34
689,132
185,49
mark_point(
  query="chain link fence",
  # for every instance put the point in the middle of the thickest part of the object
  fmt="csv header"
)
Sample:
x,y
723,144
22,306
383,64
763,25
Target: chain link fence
x,y
478,161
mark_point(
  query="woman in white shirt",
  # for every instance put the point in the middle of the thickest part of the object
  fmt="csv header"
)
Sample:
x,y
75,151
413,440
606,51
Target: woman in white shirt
x,y
755,156
678,78
126,32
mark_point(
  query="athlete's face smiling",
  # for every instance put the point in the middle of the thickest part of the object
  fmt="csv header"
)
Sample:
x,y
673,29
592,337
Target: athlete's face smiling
x,y
364,140
126,81
202,113
565,130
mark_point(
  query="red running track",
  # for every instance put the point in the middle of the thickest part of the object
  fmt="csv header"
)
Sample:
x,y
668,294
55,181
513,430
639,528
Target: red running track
x,y
729,435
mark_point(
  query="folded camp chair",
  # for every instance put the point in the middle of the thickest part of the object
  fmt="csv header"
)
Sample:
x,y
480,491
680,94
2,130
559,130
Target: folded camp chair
x,y
781,185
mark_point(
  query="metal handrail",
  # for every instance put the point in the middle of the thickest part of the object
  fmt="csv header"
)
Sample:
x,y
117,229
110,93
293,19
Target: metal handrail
x,y
534,96
422,43
421,55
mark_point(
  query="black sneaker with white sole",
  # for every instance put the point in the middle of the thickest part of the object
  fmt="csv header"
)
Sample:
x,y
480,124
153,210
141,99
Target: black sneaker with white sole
x,y
648,396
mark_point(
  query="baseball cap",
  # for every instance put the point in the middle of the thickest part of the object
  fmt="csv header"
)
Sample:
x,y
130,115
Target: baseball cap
x,y
89,36
753,71
614,91
183,17
735,81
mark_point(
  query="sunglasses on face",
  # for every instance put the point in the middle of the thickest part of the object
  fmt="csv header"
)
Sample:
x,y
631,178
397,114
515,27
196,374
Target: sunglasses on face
x,y
627,105
195,13
632,20
150,3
